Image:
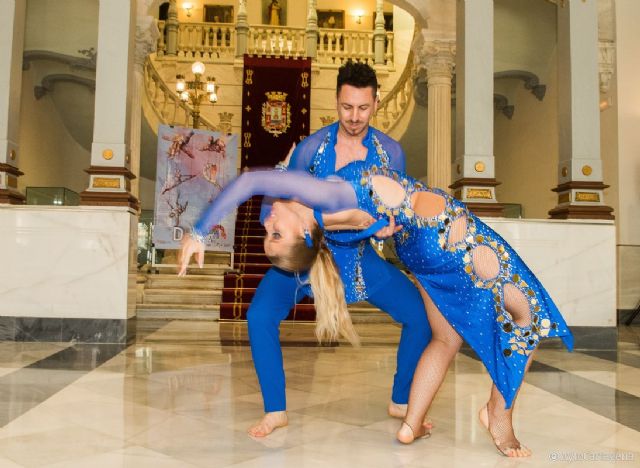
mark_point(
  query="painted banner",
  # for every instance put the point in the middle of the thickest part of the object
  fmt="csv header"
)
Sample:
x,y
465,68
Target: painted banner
x,y
276,95
193,166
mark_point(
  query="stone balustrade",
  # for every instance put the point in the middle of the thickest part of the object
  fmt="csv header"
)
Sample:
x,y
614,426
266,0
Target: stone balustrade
x,y
167,105
280,41
395,103
209,41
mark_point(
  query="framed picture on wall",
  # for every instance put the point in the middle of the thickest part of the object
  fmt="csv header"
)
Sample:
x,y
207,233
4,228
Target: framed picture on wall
x,y
333,19
274,12
218,14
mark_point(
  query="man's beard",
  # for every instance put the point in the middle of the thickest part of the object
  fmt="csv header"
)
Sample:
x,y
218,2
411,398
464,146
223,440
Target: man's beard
x,y
359,130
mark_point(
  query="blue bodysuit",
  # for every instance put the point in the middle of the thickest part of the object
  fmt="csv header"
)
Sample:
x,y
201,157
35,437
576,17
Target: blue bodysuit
x,y
443,262
365,275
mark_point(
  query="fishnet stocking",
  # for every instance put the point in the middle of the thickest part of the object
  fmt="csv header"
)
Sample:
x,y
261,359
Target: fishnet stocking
x,y
458,230
485,262
499,421
517,305
433,364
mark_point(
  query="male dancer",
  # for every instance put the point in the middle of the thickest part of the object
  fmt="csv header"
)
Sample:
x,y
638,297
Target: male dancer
x,y
365,275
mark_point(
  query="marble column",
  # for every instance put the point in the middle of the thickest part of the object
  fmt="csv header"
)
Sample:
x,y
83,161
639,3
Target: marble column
x,y
580,187
242,30
379,35
171,27
147,35
474,165
311,39
627,107
438,58
110,175
11,48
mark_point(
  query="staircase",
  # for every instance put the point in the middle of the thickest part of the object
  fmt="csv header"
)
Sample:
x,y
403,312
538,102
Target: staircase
x,y
167,296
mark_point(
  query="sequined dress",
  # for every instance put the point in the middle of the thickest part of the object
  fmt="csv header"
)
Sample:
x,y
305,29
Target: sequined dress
x,y
473,304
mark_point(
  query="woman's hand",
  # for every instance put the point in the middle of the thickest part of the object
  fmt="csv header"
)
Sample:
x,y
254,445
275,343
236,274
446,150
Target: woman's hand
x,y
188,248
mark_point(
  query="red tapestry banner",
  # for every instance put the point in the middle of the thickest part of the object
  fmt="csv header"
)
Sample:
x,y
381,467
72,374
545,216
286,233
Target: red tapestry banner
x,y
276,96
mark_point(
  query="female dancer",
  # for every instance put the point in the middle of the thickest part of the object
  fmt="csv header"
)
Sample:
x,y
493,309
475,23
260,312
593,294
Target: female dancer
x,y
475,286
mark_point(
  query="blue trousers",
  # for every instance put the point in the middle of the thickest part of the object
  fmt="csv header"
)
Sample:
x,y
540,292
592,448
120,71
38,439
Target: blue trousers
x,y
276,295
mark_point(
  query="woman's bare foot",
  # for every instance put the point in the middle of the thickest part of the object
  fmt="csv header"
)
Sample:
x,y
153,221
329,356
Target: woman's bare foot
x,y
406,434
269,423
498,423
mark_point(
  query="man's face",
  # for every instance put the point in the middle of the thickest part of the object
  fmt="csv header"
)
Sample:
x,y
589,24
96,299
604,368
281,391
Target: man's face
x,y
356,106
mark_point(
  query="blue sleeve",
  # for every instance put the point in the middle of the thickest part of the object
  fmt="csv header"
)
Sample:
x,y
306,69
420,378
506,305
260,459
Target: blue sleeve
x,y
326,195
397,159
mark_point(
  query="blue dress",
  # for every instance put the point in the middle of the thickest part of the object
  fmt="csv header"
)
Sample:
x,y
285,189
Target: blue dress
x,y
475,307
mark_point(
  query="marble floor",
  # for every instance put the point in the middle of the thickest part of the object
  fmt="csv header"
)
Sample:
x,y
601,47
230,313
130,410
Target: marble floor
x,y
184,394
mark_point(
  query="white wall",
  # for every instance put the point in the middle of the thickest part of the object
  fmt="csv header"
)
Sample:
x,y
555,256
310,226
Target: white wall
x,y
61,26
71,262
50,157
574,260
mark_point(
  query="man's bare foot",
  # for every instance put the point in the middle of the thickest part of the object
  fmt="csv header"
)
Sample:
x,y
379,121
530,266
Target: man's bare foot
x,y
498,423
397,410
406,434
269,423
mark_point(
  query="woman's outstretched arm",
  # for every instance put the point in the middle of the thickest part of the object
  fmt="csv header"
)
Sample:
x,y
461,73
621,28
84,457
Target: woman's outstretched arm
x,y
324,195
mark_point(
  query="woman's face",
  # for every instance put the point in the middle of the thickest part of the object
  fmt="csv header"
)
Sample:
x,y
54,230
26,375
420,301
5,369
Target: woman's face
x,y
284,227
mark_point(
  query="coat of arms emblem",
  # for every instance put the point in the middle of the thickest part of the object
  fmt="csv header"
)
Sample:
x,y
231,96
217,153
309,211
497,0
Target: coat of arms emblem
x,y
276,113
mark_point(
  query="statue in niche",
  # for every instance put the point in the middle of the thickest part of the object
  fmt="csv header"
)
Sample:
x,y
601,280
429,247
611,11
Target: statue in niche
x,y
274,13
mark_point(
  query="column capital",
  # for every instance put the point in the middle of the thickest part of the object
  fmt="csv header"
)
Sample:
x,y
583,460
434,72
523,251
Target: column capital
x,y
147,35
436,57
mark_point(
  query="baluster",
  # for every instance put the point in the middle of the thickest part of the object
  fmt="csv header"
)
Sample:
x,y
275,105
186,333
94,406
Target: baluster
x,y
198,41
321,39
161,47
389,57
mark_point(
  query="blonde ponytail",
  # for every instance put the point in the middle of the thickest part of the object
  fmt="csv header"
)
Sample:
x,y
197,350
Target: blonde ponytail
x,y
332,316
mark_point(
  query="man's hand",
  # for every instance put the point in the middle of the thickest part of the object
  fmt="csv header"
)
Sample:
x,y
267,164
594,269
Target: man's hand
x,y
188,248
389,230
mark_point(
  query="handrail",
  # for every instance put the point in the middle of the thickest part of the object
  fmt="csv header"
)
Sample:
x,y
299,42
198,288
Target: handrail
x,y
396,101
166,104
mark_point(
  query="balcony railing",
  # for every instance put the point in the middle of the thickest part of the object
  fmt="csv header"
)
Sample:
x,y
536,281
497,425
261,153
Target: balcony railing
x,y
220,41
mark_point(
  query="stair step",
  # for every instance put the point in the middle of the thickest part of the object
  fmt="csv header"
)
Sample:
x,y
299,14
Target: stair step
x,y
248,240
253,248
250,257
304,312
249,231
165,281
245,295
171,257
233,280
193,270
171,312
256,268
247,223
181,296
